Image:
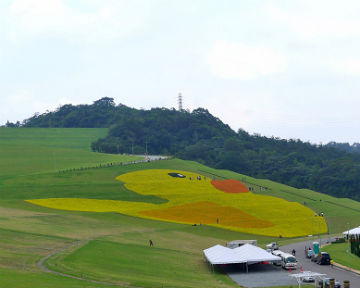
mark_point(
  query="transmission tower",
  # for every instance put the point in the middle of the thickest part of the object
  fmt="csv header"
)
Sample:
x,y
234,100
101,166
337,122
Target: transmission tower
x,y
180,102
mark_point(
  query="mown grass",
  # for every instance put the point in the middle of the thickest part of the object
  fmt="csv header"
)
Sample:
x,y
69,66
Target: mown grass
x,y
30,161
34,150
154,266
341,254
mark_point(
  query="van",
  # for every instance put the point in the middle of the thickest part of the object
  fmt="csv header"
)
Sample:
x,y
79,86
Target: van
x,y
288,261
323,259
272,246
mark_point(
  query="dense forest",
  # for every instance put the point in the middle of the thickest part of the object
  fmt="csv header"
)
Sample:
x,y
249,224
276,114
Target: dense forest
x,y
201,137
355,147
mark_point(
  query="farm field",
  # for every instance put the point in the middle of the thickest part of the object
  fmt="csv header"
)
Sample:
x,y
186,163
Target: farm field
x,y
30,232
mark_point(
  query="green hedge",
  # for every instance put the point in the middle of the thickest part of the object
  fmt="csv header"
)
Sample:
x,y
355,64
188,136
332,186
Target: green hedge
x,y
355,244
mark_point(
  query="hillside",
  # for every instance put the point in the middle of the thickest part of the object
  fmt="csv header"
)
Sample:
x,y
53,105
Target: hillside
x,y
45,150
201,137
112,248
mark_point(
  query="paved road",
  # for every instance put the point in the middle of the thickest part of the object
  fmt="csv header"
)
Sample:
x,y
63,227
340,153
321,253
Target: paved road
x,y
266,275
335,272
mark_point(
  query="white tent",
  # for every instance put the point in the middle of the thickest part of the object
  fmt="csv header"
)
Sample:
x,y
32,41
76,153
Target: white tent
x,y
248,254
252,254
221,255
355,231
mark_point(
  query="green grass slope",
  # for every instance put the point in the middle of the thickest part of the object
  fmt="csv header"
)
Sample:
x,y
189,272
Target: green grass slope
x,y
34,150
110,247
341,254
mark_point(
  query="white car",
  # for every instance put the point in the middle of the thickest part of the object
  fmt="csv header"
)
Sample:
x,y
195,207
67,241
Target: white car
x,y
272,246
308,279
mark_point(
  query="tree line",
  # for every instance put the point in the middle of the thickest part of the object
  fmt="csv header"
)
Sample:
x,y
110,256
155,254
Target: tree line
x,y
201,137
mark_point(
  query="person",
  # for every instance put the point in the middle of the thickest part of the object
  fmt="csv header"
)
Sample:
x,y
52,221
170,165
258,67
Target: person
x,y
332,263
217,220
151,243
293,252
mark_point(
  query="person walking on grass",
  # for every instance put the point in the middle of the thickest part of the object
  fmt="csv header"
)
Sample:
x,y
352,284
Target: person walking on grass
x,y
151,243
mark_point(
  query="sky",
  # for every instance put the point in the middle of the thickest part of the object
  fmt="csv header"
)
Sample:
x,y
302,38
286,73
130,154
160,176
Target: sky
x,y
288,69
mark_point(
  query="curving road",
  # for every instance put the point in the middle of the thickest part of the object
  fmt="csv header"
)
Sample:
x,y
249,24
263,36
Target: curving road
x,y
333,272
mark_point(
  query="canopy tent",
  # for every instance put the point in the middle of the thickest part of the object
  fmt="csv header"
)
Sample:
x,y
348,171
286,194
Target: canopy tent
x,y
248,254
355,231
221,255
253,254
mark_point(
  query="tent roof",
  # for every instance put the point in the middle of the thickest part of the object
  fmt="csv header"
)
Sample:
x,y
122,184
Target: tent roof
x,y
307,274
253,254
354,231
221,255
246,253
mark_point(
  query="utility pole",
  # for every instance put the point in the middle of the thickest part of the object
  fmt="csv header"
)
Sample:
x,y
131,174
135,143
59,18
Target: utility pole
x,y
348,224
319,233
312,227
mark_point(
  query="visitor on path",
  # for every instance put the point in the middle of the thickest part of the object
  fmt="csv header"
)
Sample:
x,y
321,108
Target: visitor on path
x,y
293,252
151,243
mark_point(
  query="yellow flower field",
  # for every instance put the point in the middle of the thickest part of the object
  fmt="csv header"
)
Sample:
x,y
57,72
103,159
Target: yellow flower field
x,y
198,201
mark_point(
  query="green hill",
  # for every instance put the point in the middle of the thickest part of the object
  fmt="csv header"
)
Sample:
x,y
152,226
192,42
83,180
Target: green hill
x,y
35,150
110,247
201,137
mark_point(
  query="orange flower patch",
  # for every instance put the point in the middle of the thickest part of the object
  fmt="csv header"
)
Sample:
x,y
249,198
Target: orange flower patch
x,y
230,186
208,213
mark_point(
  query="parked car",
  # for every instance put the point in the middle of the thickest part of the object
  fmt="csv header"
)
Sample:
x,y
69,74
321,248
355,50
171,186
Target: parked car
x,y
309,253
272,246
308,279
325,283
323,259
314,258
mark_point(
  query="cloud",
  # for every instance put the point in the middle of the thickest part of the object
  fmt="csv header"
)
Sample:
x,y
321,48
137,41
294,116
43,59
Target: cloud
x,y
240,61
348,67
109,19
317,20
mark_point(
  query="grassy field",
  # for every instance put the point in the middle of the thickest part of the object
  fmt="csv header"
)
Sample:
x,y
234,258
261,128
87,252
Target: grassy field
x,y
110,247
342,255
32,150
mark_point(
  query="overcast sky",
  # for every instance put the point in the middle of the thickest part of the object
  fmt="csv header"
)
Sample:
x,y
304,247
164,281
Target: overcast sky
x,y
288,69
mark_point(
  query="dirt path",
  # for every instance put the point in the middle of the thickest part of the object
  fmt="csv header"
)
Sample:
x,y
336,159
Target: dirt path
x,y
76,243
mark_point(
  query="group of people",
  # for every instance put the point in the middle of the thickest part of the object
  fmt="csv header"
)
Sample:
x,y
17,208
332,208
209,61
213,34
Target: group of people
x,y
198,178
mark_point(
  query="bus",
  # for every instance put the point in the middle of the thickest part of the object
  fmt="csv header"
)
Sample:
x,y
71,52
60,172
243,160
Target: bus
x,y
288,261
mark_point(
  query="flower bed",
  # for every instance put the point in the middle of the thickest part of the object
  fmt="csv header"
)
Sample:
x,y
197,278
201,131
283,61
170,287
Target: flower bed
x,y
192,199
230,186
208,213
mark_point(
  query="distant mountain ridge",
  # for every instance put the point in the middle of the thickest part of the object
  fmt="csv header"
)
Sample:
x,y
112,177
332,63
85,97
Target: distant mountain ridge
x,y
354,148
201,137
